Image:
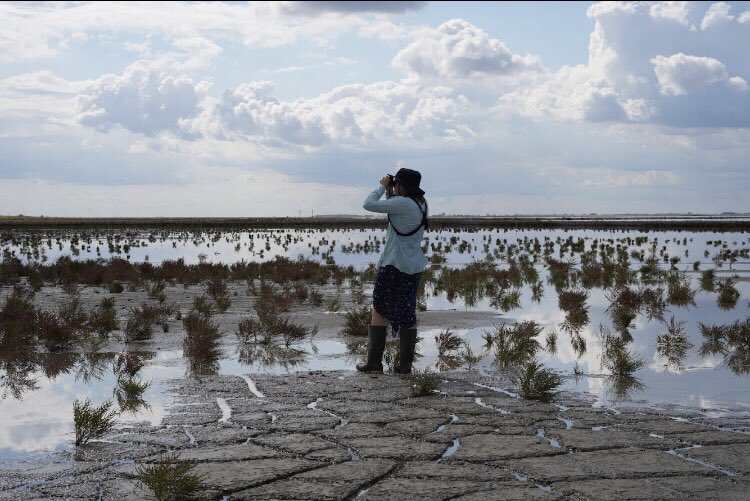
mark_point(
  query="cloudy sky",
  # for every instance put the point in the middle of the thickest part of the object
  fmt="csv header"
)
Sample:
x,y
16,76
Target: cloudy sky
x,y
288,108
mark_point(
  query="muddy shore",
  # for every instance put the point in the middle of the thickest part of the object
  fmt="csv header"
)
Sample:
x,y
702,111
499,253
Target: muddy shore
x,y
642,223
344,435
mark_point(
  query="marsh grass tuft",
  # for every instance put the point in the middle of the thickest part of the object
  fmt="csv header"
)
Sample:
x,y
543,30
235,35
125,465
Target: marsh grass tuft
x,y
141,321
551,342
615,355
673,344
73,315
620,388
536,382
507,300
537,292
730,340
217,289
578,343
128,364
201,343
129,395
333,304
424,382
708,280
171,479
625,303
316,297
357,321
156,291
247,328
573,303
447,342
202,305
517,344
103,320
468,356
728,294
653,302
53,333
92,422
679,290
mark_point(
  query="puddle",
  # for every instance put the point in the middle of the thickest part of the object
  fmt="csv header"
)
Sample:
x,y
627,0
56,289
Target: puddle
x,y
568,422
551,441
452,449
251,386
498,390
36,402
226,412
677,453
190,436
481,403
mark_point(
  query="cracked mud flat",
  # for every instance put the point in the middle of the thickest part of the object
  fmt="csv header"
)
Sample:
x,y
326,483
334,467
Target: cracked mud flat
x,y
344,435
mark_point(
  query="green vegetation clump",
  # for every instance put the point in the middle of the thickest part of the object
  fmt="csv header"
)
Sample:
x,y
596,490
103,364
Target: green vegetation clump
x,y
156,291
468,356
673,344
516,344
357,321
447,342
708,280
536,382
217,289
92,422
201,343
679,290
616,357
424,382
507,300
141,321
129,395
103,320
728,295
730,340
171,479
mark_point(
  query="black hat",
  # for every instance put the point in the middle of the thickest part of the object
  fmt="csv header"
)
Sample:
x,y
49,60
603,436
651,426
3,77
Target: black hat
x,y
410,180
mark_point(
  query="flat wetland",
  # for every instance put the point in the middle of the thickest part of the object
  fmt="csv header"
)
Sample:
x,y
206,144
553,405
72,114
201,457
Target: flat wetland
x,y
559,358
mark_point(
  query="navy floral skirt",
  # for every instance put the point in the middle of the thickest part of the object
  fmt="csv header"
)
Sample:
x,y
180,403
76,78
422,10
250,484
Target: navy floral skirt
x,y
395,296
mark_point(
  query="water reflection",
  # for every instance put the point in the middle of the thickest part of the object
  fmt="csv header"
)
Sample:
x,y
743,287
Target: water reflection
x,y
567,282
264,355
673,345
619,388
732,341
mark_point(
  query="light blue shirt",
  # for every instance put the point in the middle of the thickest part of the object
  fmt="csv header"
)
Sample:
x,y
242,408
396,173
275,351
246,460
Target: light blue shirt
x,y
405,253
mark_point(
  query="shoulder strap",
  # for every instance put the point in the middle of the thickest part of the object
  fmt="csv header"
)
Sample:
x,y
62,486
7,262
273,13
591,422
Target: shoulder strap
x,y
424,221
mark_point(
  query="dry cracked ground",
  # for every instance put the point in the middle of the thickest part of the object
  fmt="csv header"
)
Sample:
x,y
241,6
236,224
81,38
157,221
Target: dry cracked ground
x,y
343,435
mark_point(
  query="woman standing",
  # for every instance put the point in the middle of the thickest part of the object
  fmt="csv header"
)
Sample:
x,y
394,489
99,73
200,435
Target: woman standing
x,y
399,268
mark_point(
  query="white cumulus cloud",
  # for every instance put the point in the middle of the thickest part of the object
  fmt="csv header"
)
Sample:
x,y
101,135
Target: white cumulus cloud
x,y
716,15
670,73
458,49
673,11
147,98
355,114
681,74
738,83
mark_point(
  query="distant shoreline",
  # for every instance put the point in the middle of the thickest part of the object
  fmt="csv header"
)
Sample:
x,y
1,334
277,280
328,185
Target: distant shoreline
x,y
694,222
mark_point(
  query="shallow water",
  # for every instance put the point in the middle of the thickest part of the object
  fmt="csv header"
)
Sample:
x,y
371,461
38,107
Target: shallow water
x,y
41,420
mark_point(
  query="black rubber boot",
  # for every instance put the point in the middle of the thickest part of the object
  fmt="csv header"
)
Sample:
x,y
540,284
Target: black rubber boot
x,y
375,347
407,341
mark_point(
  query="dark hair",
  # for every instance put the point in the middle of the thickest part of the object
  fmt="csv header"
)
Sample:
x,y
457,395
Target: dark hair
x,y
409,193
418,198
